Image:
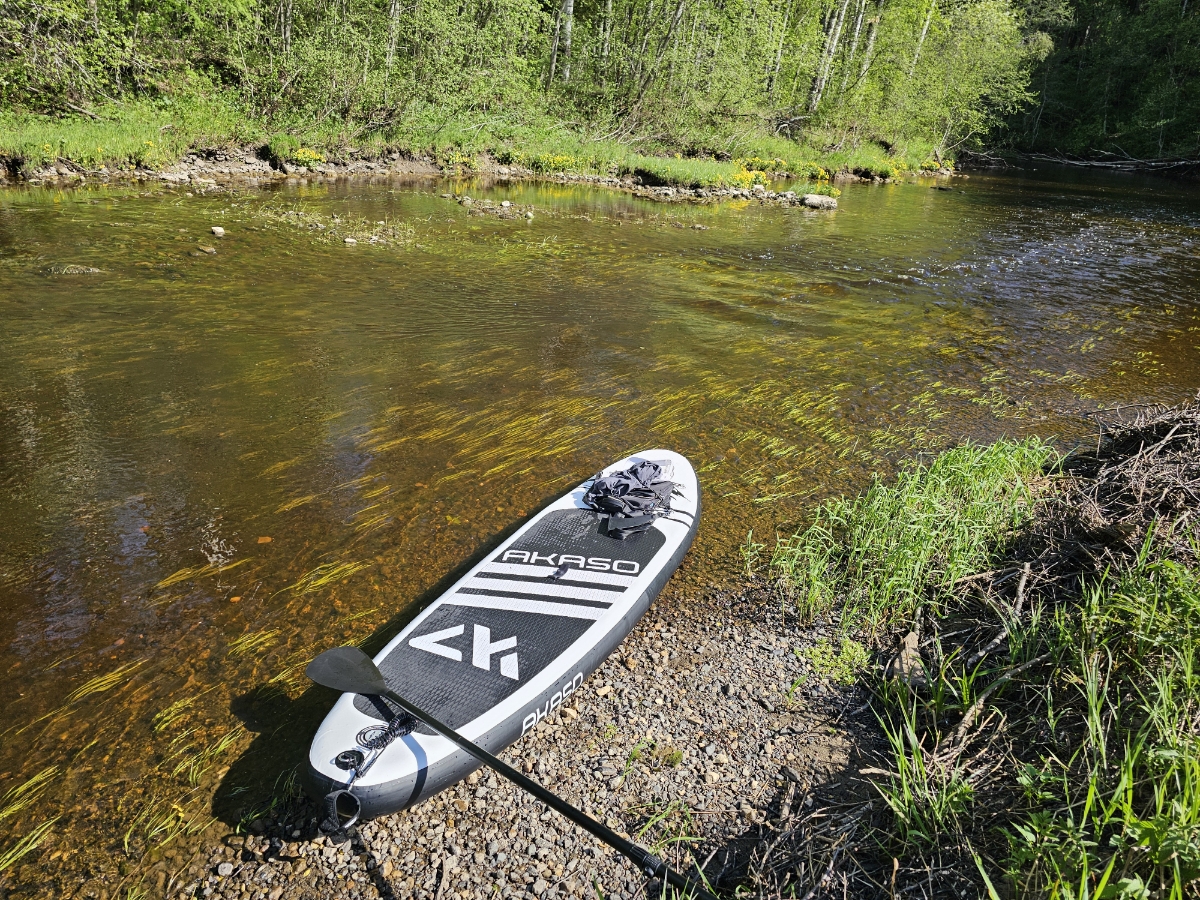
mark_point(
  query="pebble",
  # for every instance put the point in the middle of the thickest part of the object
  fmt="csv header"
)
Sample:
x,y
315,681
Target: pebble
x,y
349,241
209,250
218,231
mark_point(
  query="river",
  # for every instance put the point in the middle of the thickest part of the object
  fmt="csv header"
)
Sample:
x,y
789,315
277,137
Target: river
x,y
215,464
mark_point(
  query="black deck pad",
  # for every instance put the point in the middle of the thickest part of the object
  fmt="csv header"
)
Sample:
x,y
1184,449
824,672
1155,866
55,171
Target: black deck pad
x,y
464,659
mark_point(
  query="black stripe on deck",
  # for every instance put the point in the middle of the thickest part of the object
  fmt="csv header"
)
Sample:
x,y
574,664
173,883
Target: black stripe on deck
x,y
543,598
546,579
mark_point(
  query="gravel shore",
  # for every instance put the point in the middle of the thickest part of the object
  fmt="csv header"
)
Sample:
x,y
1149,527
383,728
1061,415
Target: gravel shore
x,y
245,167
697,737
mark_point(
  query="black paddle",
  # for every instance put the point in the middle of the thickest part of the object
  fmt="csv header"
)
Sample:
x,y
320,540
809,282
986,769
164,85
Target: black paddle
x,y
351,671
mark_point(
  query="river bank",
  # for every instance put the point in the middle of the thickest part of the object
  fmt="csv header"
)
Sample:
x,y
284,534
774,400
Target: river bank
x,y
130,143
767,748
246,168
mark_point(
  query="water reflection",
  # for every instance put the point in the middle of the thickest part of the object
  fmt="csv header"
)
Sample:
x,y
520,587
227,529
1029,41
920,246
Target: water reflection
x,y
214,464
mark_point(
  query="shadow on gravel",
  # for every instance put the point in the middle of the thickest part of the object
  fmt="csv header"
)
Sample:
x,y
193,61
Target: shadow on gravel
x,y
810,820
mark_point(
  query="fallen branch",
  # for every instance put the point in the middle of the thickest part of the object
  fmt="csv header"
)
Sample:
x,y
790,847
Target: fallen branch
x,y
975,708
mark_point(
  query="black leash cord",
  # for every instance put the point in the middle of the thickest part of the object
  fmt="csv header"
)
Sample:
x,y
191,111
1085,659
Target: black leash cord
x,y
376,737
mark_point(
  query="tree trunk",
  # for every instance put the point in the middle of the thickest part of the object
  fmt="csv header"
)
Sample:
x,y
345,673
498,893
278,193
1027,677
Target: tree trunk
x,y
779,53
872,32
862,8
285,26
607,37
393,32
662,49
554,49
832,37
646,36
921,40
568,20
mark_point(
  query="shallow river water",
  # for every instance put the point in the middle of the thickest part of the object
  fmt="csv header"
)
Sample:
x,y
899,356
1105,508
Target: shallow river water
x,y
213,465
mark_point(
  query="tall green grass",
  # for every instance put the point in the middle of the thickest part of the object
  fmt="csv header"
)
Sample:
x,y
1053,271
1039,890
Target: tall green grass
x,y
125,135
881,555
1059,728
1112,804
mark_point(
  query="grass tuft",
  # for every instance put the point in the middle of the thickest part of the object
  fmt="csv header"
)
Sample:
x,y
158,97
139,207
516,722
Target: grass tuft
x,y
105,682
883,554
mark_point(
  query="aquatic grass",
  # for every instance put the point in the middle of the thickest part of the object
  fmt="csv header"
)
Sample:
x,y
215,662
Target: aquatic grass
x,y
324,575
296,503
160,821
168,716
105,682
192,573
26,845
332,227
252,642
187,573
194,766
883,554
286,790
23,795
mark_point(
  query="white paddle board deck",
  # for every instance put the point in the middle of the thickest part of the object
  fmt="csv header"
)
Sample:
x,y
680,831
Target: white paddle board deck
x,y
507,644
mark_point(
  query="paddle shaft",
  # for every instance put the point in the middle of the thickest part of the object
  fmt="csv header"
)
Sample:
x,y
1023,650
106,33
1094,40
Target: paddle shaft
x,y
643,859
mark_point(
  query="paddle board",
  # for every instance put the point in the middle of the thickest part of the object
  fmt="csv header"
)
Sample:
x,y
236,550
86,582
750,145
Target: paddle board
x,y
505,646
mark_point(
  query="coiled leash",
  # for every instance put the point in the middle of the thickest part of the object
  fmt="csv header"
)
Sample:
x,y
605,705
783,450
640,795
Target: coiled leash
x,y
342,807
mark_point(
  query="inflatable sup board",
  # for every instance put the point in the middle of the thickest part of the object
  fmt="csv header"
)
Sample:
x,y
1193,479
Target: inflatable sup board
x,y
505,646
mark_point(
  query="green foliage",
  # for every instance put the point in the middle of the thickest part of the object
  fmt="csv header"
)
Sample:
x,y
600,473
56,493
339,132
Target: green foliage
x,y
1118,78
839,666
925,797
898,545
1095,685
1119,815
135,133
710,79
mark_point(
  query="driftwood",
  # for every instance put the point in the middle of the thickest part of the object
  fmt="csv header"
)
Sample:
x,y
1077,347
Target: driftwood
x,y
1121,164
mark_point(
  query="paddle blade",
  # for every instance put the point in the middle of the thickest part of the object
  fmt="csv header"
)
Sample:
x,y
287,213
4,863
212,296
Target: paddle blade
x,y
347,669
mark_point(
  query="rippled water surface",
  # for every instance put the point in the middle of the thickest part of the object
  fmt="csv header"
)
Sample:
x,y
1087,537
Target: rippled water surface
x,y
213,465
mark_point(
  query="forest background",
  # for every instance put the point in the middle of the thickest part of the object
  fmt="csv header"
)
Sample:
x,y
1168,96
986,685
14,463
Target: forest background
x,y
580,84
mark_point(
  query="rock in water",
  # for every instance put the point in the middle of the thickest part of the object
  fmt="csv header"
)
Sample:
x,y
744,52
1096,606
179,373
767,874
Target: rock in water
x,y
218,231
349,242
819,201
73,270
